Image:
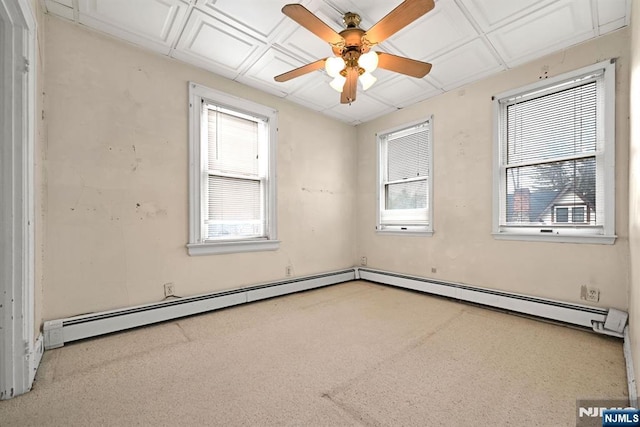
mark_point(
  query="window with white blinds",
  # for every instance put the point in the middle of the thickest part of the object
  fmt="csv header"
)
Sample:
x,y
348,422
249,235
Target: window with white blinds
x,y
235,176
232,185
555,165
405,179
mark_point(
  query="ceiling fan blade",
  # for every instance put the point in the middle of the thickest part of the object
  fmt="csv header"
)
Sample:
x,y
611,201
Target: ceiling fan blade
x,y
300,71
403,15
350,86
402,65
311,22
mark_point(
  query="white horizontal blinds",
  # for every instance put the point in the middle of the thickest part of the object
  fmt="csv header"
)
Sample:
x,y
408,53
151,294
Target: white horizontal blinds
x,y
235,184
233,143
550,156
406,176
235,207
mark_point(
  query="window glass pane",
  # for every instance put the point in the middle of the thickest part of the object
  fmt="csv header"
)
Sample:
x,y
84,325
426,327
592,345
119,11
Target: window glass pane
x,y
233,143
234,207
534,191
407,195
407,155
578,214
562,214
551,126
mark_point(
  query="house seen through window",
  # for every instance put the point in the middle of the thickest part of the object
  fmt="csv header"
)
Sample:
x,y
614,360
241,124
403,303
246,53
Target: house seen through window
x,y
556,153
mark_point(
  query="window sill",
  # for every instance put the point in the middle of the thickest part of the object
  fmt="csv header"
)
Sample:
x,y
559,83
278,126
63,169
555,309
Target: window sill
x,y
215,248
395,232
558,238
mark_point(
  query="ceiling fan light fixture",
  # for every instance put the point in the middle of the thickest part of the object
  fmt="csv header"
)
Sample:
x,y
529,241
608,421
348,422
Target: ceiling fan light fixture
x,y
334,65
352,57
338,83
368,61
367,79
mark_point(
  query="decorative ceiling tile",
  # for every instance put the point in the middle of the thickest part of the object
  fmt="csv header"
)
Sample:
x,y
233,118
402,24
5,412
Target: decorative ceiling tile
x,y
305,45
612,14
467,63
271,64
316,94
558,26
262,17
439,31
491,14
401,91
252,41
154,24
216,45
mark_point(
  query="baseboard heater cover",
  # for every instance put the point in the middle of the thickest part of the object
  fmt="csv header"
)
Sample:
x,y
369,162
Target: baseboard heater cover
x,y
61,331
575,314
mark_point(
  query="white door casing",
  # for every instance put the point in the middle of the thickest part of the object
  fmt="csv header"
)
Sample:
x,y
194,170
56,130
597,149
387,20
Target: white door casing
x,y
17,132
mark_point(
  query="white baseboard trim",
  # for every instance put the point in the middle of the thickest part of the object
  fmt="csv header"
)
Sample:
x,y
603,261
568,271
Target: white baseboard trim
x,y
574,314
61,331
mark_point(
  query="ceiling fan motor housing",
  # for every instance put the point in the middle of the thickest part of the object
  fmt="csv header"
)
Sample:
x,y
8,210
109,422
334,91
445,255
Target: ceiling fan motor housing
x,y
353,37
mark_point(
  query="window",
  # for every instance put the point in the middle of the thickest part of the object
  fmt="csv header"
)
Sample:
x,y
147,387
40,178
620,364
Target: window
x,y
573,214
554,175
405,164
232,174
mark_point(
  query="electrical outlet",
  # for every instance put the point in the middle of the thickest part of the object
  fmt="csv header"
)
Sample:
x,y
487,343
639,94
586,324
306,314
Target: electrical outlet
x,y
169,289
593,294
589,293
434,270
288,271
363,261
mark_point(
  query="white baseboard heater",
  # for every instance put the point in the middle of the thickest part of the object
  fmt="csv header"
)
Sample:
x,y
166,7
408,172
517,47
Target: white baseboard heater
x,y
609,322
61,331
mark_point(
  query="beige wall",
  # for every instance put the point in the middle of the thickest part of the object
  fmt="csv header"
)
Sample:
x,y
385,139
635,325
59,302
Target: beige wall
x,y
634,189
117,191
117,137
462,248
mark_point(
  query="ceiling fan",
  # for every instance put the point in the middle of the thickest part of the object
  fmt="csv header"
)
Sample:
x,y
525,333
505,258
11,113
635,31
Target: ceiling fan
x,y
354,58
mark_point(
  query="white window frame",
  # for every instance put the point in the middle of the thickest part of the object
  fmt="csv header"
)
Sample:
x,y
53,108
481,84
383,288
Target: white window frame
x,y
605,164
198,174
403,229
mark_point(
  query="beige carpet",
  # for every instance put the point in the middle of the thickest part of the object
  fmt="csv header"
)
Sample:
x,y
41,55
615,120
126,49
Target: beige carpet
x,y
350,354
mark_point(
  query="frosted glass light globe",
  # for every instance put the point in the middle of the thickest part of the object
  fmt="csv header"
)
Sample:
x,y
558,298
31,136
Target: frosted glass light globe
x,y
338,83
367,79
334,65
369,61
